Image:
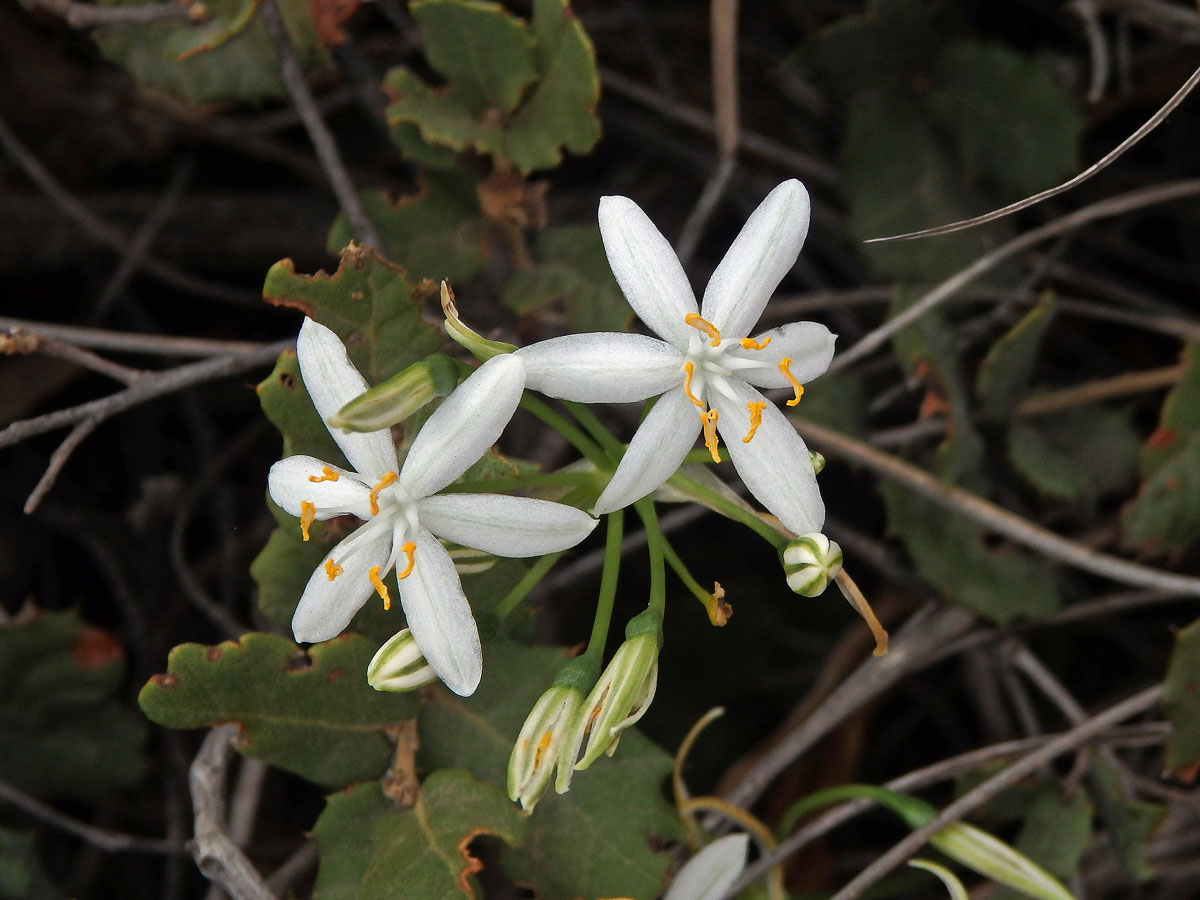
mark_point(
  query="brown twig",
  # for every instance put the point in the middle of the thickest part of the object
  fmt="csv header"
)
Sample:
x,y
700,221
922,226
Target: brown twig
x,y
327,151
996,518
1071,740
218,857
87,15
109,841
1100,389
128,341
58,459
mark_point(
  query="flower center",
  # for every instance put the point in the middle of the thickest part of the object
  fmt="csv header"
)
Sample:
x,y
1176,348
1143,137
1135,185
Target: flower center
x,y
707,365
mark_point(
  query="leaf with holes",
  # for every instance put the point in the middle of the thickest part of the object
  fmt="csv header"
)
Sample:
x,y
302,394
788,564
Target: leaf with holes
x,y
63,732
615,809
1181,702
342,835
313,714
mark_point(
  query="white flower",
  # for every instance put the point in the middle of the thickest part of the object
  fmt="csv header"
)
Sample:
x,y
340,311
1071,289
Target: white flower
x,y
403,512
711,873
704,367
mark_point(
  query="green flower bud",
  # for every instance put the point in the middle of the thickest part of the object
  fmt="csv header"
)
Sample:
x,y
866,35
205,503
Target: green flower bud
x,y
399,666
818,461
994,859
479,346
399,397
810,562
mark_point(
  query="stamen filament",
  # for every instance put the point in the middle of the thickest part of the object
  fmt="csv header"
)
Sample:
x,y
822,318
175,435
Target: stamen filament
x,y
689,370
752,344
796,386
327,474
308,514
708,420
380,587
388,478
332,569
707,327
408,550
756,408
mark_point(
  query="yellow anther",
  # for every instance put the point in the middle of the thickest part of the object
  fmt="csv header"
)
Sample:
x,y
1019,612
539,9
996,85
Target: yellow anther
x,y
407,550
327,474
689,370
388,478
332,569
380,587
704,325
752,344
542,747
308,514
796,386
756,408
708,421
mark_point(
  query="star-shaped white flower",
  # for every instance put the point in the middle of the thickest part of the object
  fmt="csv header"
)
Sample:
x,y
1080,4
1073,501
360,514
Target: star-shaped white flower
x,y
403,512
704,366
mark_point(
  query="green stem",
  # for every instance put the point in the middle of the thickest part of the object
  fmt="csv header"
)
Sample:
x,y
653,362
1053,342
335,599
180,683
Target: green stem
x,y
608,585
727,507
915,812
702,456
522,588
580,441
539,479
597,429
709,600
655,543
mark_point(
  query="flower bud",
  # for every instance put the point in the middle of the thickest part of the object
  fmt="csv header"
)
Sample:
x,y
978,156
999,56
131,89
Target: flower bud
x,y
399,666
400,396
711,873
818,461
539,746
994,859
810,562
481,348
621,696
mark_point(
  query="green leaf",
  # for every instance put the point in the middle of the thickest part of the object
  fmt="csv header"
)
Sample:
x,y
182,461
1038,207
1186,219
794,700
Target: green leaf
x,y
482,50
1079,453
1005,372
895,36
342,835
1181,703
435,233
1130,822
286,404
1055,834
425,850
575,274
947,550
368,302
241,64
62,731
615,809
313,714
21,874
1179,418
839,401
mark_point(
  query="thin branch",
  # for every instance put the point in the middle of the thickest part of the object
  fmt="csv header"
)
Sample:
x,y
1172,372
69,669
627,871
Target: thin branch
x,y
1027,765
996,518
128,341
1089,19
87,15
1114,206
155,385
723,25
327,151
20,341
58,459
109,841
1100,389
103,233
1150,124
216,855
706,204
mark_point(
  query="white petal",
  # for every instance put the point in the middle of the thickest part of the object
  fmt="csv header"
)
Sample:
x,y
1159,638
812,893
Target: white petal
x,y
657,449
809,345
326,607
440,617
602,367
775,464
764,251
463,428
712,871
290,484
503,525
647,269
332,382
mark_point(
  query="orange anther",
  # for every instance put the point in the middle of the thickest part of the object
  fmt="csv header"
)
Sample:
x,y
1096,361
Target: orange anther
x,y
332,569
708,420
388,478
756,408
308,514
327,474
689,370
543,745
752,344
407,550
380,587
704,325
796,386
